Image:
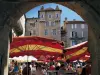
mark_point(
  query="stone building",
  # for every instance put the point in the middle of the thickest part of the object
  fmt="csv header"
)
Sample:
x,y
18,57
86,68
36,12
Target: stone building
x,y
74,32
46,25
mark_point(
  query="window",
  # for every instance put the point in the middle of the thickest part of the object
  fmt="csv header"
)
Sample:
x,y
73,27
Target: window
x,y
42,16
73,42
57,15
52,23
46,32
49,16
47,23
30,33
82,26
72,26
54,31
82,34
75,25
74,34
32,24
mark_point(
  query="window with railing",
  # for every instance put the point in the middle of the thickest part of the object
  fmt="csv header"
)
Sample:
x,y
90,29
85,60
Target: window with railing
x,y
74,34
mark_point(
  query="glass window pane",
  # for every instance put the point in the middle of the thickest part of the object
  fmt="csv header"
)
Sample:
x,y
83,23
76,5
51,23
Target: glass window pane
x,y
57,15
46,23
75,25
73,43
72,26
42,16
46,32
49,16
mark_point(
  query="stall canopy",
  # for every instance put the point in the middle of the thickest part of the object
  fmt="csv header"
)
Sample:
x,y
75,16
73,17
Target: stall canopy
x,y
77,52
35,46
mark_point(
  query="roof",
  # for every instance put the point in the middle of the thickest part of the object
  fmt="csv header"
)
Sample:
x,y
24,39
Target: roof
x,y
49,9
77,45
28,19
76,22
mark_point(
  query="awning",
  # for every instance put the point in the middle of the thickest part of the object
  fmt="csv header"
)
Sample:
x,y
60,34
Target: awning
x,y
77,51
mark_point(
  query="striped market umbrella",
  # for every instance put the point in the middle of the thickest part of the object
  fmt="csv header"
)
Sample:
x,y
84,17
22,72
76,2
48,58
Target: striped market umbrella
x,y
35,46
77,51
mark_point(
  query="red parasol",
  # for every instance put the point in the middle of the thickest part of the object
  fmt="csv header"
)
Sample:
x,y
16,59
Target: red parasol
x,y
35,46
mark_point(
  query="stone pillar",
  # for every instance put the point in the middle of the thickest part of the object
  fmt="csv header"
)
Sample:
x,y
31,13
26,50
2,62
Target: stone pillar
x,y
93,20
4,49
92,47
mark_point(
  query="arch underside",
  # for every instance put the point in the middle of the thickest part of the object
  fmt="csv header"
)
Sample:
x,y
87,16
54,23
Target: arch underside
x,y
87,9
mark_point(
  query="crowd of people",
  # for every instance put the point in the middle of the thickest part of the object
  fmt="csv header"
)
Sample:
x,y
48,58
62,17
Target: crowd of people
x,y
51,68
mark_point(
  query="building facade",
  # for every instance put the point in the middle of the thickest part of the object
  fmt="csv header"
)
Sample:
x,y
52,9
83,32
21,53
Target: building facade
x,y
74,32
46,25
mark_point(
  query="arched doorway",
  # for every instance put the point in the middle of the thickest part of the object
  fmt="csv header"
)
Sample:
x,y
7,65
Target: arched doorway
x,y
16,9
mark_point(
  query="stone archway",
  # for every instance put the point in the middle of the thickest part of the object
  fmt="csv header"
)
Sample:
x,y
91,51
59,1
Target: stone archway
x,y
13,10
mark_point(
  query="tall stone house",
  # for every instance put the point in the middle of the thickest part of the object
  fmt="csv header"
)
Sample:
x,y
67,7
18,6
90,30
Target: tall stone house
x,y
74,32
46,25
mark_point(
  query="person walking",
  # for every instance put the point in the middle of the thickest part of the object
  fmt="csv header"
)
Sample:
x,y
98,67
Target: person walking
x,y
39,70
27,70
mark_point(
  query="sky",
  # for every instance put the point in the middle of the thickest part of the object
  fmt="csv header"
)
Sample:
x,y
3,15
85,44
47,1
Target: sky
x,y
66,12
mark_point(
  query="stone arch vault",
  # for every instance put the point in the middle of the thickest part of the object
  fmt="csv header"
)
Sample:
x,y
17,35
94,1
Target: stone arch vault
x,y
11,11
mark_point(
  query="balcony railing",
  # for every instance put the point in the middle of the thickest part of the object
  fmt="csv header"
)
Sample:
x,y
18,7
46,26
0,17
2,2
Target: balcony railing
x,y
77,38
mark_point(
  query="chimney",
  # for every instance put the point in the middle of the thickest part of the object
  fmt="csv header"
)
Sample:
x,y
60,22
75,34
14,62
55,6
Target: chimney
x,y
42,8
65,24
57,8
